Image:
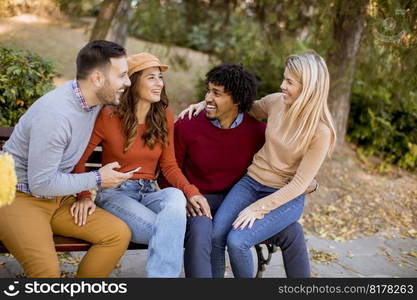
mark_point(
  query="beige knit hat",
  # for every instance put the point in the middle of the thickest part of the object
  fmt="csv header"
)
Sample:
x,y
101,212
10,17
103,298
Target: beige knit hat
x,y
141,61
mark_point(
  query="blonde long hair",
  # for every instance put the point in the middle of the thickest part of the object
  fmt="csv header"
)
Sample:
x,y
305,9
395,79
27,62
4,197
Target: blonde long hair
x,y
310,108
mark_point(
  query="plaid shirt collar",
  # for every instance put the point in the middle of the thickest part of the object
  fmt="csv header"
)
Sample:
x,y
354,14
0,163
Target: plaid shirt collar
x,y
80,97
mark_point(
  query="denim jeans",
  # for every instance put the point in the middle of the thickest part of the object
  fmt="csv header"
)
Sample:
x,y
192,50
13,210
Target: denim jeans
x,y
198,245
245,192
155,217
197,253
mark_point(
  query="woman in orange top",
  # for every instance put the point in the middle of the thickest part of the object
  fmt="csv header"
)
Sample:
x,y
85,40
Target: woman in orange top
x,y
138,133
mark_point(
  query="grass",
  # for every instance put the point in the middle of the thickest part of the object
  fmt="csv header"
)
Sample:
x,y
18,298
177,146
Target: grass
x,y
60,42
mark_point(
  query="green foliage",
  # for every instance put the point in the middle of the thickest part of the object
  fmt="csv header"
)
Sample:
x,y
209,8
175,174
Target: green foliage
x,y
380,128
383,117
24,77
261,34
227,30
80,8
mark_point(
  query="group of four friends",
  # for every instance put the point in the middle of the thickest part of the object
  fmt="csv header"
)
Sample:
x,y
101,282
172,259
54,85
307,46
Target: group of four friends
x,y
219,177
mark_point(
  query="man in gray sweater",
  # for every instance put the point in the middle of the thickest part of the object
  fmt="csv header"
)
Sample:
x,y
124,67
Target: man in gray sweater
x,y
47,142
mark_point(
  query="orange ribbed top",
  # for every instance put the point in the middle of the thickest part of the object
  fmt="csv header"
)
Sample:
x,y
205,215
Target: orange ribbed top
x,y
108,132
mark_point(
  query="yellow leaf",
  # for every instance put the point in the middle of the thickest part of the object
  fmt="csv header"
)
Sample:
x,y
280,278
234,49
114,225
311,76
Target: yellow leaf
x,y
20,103
8,179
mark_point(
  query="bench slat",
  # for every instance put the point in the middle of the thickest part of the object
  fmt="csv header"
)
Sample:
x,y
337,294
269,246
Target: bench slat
x,y
5,133
63,243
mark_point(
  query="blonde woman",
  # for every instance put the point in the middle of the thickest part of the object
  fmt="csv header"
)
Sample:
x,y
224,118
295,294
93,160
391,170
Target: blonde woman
x,y
299,135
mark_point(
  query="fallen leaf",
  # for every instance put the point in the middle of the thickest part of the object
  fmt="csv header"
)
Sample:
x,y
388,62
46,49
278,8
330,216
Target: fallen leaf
x,y
322,257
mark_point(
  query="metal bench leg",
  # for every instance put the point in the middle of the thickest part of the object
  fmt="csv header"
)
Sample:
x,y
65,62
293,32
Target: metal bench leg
x,y
262,261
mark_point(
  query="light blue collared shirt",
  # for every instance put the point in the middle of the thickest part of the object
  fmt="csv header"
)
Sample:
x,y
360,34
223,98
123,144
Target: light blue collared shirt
x,y
234,124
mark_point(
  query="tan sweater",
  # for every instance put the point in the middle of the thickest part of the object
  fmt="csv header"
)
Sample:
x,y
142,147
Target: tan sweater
x,y
276,164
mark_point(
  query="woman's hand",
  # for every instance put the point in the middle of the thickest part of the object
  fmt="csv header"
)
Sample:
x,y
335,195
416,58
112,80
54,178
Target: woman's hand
x,y
313,186
193,109
248,216
81,209
198,206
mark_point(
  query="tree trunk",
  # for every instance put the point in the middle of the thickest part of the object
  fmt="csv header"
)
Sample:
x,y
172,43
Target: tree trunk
x,y
119,30
107,12
347,32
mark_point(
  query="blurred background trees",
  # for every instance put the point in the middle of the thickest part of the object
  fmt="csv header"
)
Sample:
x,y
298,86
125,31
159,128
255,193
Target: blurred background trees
x,y
104,19
369,45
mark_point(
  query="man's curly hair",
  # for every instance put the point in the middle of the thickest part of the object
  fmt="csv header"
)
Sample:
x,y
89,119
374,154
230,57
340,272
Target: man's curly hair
x,y
237,82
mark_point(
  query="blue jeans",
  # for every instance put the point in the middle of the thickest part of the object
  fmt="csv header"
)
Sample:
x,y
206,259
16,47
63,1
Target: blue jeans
x,y
197,244
155,217
245,192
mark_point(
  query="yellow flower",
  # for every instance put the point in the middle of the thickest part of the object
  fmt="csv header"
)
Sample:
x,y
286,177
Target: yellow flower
x,y
7,179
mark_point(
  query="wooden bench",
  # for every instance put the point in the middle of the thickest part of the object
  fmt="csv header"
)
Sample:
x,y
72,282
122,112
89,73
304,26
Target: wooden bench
x,y
63,244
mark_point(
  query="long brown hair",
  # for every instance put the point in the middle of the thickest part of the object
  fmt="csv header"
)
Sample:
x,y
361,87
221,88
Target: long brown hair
x,y
156,123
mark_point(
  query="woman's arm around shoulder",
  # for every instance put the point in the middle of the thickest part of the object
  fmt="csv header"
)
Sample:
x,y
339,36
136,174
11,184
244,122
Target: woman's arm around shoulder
x,y
262,107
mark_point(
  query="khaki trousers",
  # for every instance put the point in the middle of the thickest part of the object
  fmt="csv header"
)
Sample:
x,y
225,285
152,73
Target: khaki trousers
x,y
28,224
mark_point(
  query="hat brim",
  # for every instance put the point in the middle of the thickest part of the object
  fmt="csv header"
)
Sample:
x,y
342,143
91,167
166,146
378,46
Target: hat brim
x,y
147,66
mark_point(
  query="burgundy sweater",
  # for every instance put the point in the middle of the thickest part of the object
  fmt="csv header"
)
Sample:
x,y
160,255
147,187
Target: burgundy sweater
x,y
214,159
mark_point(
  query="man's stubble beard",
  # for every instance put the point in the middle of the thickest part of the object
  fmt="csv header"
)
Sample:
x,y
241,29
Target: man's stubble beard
x,y
107,97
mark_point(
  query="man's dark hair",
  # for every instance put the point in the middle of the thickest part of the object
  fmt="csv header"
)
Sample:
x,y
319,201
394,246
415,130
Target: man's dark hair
x,y
96,54
237,82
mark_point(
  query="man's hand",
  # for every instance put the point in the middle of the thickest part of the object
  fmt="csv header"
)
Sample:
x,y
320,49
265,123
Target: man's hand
x,y
81,209
111,178
198,206
312,187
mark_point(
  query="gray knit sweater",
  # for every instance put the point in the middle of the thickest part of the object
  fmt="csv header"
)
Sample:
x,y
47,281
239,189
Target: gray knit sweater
x,y
48,141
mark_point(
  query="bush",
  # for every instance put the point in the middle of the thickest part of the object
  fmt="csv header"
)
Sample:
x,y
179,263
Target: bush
x,y
383,129
24,77
383,116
